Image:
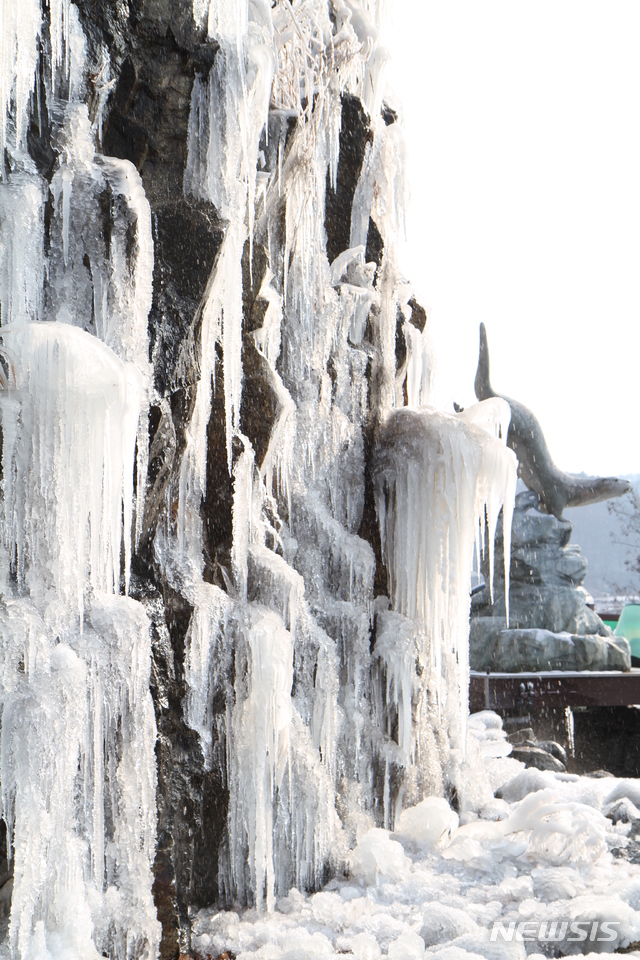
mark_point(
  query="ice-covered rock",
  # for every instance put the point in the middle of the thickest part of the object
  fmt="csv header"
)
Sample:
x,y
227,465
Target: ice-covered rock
x,y
550,626
493,647
428,823
377,855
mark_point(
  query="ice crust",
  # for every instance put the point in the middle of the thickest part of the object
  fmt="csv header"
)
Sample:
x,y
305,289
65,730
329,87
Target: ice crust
x,y
548,860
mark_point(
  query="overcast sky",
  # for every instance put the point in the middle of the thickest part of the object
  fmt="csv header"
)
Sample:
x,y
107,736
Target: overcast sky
x,y
522,125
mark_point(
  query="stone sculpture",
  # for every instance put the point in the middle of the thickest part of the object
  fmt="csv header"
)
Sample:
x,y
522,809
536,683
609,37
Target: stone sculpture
x,y
550,625
555,489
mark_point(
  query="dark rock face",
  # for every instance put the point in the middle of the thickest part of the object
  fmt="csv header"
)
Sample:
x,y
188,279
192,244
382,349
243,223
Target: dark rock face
x,y
187,236
353,139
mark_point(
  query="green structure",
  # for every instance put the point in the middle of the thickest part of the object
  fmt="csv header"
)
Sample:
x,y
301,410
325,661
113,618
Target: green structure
x,y
629,626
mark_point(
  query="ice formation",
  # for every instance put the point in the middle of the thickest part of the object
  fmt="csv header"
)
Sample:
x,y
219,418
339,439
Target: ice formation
x,y
325,644
317,442
545,855
78,768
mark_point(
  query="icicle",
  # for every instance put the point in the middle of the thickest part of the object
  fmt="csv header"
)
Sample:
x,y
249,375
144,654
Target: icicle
x,y
419,369
397,647
202,654
267,337
20,29
113,296
193,471
76,53
261,731
22,248
226,121
72,702
20,23
59,32
242,493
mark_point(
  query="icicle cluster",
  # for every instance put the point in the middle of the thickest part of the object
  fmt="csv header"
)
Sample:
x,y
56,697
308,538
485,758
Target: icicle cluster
x,y
21,26
78,780
301,608
437,477
70,416
77,763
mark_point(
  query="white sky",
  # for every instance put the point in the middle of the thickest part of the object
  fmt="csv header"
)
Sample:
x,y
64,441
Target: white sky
x,y
522,122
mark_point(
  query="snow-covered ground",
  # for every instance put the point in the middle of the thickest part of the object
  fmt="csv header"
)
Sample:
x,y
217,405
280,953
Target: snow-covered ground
x,y
546,848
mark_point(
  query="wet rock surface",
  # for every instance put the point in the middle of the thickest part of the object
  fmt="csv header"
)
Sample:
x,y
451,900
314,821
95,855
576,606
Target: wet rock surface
x,y
535,756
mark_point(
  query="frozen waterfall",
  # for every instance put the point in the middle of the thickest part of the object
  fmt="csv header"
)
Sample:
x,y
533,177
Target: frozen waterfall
x,y
324,603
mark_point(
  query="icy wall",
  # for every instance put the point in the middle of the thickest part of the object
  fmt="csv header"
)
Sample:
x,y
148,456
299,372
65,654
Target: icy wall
x,y
236,540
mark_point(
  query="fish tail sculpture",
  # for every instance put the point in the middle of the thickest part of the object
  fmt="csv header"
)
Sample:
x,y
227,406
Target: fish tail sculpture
x,y
555,489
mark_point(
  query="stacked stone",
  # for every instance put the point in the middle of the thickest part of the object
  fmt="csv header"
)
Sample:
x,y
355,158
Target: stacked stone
x,y
550,625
